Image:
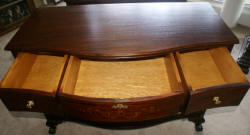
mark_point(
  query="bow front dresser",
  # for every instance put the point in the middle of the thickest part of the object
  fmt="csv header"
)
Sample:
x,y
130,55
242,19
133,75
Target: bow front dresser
x,y
123,65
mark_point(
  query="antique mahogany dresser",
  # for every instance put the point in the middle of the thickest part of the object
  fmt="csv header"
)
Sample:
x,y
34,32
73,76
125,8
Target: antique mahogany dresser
x,y
123,65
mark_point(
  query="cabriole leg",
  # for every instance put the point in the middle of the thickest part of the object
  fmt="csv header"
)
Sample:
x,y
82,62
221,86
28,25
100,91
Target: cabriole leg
x,y
52,122
197,118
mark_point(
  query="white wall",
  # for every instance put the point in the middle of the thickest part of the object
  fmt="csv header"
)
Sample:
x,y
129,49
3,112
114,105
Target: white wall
x,y
244,18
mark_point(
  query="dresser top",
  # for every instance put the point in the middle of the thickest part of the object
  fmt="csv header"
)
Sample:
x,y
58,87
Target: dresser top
x,y
122,31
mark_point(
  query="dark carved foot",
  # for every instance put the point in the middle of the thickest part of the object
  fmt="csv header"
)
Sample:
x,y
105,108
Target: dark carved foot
x,y
52,130
198,127
197,118
52,122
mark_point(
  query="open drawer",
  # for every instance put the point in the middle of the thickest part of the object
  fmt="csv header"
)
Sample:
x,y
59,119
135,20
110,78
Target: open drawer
x,y
31,83
212,78
112,91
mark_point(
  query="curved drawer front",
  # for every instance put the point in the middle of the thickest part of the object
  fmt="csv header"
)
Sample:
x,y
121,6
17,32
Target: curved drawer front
x,y
121,90
32,101
224,95
212,78
118,111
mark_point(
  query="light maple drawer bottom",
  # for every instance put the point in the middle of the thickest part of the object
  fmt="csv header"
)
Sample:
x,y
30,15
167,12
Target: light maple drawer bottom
x,y
212,78
31,83
124,91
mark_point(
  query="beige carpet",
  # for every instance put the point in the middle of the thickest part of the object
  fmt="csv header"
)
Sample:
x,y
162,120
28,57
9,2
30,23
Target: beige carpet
x,y
221,121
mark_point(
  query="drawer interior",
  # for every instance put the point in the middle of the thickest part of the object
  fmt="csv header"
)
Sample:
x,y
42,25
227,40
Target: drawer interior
x,y
123,79
34,72
208,68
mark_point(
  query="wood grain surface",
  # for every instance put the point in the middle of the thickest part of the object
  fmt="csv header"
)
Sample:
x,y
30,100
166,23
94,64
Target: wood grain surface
x,y
133,109
16,100
34,72
229,95
124,91
122,31
209,68
33,78
211,74
123,79
200,70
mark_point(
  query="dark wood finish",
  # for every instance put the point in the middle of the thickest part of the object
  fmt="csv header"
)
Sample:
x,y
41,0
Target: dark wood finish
x,y
230,48
117,108
101,32
230,95
16,97
84,2
137,109
229,80
52,122
198,119
14,54
16,100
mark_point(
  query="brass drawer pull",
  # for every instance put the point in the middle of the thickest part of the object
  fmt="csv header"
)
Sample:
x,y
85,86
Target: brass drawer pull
x,y
30,104
120,106
216,100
